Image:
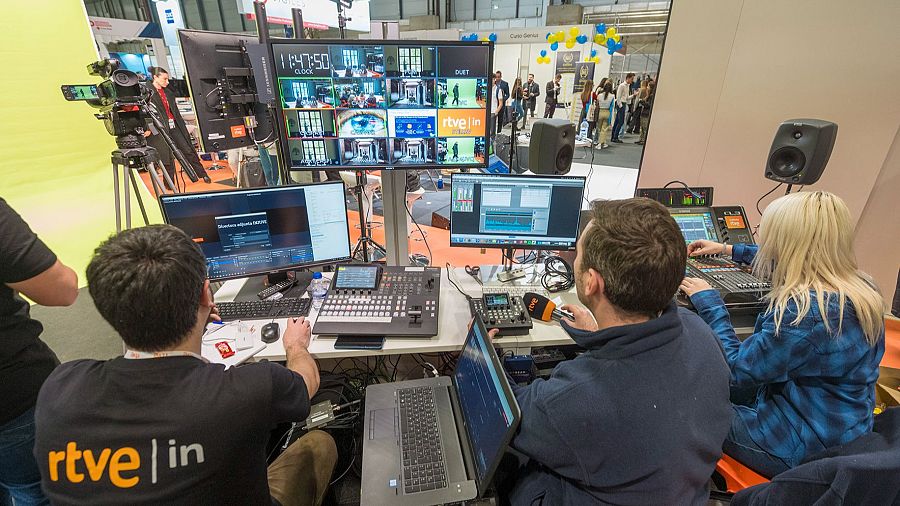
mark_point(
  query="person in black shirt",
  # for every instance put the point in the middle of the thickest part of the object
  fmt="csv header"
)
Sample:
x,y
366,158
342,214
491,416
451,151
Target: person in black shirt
x,y
164,102
27,266
161,425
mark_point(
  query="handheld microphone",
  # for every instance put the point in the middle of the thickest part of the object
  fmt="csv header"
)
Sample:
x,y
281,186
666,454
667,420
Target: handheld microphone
x,y
542,308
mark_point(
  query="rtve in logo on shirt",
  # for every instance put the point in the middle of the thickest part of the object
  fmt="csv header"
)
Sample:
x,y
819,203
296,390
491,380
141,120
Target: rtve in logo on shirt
x,y
122,465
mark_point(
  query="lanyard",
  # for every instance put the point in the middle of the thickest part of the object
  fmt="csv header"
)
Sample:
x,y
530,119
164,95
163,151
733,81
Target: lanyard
x,y
141,355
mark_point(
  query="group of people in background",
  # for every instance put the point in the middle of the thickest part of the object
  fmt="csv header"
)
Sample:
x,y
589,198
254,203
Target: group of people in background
x,y
609,110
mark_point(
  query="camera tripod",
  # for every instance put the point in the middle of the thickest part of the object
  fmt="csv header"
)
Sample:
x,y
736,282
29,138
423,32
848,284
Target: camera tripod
x,y
127,161
365,241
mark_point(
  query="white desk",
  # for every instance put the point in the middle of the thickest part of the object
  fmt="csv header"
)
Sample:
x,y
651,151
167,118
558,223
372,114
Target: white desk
x,y
454,318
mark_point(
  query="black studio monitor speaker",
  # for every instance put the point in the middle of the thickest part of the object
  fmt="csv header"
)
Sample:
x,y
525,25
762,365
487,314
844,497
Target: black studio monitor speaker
x,y
552,146
800,151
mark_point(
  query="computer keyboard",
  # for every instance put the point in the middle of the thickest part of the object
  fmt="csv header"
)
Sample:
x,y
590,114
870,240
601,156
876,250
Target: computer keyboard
x,y
517,290
420,441
258,309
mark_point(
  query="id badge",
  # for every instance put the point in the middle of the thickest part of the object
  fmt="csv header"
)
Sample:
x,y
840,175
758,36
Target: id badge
x,y
171,124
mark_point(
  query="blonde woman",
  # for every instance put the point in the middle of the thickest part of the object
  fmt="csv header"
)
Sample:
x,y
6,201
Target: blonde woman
x,y
585,101
813,359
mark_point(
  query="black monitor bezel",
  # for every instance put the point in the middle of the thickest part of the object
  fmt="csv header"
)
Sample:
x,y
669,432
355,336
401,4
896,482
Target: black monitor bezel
x,y
348,258
518,246
282,129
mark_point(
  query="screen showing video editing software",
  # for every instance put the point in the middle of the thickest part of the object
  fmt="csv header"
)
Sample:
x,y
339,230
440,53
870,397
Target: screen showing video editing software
x,y
488,210
385,104
261,230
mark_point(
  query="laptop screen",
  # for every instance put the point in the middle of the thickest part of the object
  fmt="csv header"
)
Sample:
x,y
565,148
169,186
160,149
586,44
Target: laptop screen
x,y
488,408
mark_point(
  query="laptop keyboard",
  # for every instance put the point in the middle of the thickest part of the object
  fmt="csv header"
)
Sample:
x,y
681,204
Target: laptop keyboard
x,y
420,441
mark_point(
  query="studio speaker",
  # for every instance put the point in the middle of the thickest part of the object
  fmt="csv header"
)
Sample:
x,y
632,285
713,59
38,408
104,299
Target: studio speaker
x,y
800,151
552,146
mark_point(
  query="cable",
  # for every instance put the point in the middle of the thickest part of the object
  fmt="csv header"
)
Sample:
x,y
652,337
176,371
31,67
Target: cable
x,y
416,223
558,275
766,195
686,187
450,277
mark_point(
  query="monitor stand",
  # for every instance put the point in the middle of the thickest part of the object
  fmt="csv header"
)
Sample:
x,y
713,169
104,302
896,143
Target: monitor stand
x,y
494,275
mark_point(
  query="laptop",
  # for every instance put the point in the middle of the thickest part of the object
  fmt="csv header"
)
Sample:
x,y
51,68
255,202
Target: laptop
x,y
439,440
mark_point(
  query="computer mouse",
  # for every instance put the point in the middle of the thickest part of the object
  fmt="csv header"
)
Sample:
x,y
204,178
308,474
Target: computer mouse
x,y
269,332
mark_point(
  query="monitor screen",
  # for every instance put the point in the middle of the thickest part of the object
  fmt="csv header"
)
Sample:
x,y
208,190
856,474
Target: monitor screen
x,y
263,230
407,104
696,225
488,407
534,212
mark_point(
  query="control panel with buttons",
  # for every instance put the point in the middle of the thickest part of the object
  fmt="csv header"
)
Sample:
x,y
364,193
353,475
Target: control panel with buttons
x,y
503,312
403,301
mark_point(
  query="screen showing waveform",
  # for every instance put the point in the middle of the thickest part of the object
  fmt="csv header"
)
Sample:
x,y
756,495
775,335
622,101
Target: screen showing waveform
x,y
508,222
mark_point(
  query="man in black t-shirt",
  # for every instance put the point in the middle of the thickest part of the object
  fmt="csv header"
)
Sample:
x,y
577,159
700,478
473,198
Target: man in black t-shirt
x,y
27,266
161,425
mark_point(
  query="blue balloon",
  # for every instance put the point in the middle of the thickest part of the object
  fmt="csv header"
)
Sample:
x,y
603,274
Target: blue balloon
x,y
618,46
611,44
593,53
581,39
610,51
492,37
543,52
554,46
601,28
547,36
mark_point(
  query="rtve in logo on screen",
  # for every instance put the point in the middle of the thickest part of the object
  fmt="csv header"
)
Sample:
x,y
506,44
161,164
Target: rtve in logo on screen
x,y
461,123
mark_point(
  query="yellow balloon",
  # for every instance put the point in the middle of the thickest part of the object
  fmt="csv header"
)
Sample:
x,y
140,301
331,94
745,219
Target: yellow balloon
x,y
570,43
600,39
616,37
596,59
560,36
574,31
610,32
484,38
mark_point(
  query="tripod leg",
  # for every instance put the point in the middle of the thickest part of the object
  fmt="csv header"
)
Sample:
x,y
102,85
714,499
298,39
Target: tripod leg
x,y
115,167
154,179
168,179
127,197
137,195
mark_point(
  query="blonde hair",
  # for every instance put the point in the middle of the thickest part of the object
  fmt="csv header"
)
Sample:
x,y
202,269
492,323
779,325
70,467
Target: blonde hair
x,y
805,244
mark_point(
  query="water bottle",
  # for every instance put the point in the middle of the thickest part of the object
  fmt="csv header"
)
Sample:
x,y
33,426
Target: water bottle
x,y
440,182
582,132
318,287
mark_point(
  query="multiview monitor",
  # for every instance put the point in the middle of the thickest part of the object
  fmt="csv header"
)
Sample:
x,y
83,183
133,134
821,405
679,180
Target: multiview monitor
x,y
404,104
264,230
515,211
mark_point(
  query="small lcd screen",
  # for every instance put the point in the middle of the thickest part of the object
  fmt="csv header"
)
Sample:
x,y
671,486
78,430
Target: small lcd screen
x,y
359,277
80,92
696,226
495,300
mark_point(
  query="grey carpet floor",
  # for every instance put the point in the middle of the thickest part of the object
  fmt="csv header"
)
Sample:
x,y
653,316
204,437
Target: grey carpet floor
x,y
78,331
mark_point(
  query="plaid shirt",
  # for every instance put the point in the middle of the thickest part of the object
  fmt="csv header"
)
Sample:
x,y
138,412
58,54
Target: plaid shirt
x,y
815,390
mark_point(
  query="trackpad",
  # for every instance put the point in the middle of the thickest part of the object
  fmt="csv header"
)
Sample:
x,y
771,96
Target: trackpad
x,y
382,424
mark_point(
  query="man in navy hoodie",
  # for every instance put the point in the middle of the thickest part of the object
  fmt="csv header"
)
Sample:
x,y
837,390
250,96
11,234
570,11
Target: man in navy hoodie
x,y
640,417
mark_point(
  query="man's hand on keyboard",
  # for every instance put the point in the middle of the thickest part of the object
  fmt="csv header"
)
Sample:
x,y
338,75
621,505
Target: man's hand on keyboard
x,y
297,334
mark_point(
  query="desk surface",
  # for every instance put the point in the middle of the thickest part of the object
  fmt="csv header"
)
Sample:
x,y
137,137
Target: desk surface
x,y
454,319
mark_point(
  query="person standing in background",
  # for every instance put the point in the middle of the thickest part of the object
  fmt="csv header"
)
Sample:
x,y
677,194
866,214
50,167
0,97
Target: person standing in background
x,y
30,268
622,98
585,100
532,91
517,98
551,96
177,129
498,103
601,108
634,121
646,107
504,87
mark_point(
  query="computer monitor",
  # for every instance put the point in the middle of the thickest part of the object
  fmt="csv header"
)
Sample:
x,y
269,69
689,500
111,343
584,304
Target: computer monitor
x,y
264,230
695,224
488,407
223,89
515,211
385,104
